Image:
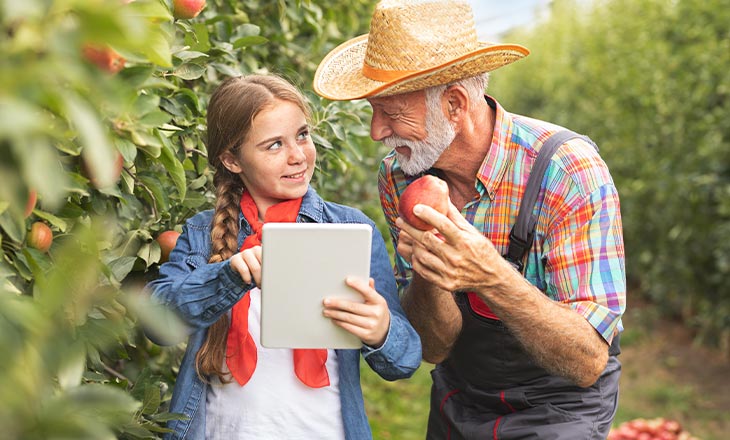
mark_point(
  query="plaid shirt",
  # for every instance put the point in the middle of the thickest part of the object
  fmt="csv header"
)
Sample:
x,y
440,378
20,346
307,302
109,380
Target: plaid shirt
x,y
577,257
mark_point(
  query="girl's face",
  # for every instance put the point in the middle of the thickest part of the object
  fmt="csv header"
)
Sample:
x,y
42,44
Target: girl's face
x,y
276,161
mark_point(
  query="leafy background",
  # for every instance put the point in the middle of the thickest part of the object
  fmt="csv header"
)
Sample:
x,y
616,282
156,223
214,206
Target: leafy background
x,y
648,81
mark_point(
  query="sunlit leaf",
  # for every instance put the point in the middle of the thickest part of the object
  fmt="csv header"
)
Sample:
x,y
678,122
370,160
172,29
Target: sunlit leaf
x,y
189,71
98,153
72,367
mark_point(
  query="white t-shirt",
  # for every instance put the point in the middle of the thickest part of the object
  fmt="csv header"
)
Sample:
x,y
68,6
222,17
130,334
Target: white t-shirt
x,y
274,404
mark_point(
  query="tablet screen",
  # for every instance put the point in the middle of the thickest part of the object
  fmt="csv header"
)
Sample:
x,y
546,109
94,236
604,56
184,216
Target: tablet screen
x,y
303,263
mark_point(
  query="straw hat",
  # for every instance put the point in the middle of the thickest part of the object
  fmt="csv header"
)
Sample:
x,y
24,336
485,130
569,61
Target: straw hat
x,y
412,45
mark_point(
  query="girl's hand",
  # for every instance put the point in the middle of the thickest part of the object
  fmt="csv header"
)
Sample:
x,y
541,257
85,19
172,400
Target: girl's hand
x,y
369,321
248,265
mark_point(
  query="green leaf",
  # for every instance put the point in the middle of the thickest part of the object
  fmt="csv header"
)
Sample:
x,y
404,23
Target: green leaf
x,y
189,71
21,118
155,119
248,29
202,38
146,142
188,55
52,219
146,103
161,323
158,83
42,169
98,153
72,365
157,49
150,252
174,167
121,267
13,226
187,97
151,401
127,149
250,40
157,190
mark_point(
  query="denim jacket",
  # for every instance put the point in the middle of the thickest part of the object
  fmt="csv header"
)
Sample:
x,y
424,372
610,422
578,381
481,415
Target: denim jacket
x,y
200,293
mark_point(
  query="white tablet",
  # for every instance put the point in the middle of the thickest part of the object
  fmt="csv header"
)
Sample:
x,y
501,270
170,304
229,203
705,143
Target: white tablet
x,y
303,263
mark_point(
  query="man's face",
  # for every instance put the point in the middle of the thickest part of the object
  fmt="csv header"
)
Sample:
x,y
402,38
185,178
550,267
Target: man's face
x,y
414,125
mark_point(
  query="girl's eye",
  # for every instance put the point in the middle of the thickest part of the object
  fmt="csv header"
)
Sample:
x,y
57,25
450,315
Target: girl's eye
x,y
304,134
275,146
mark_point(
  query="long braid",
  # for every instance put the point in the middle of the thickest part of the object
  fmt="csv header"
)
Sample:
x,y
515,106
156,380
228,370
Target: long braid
x,y
224,244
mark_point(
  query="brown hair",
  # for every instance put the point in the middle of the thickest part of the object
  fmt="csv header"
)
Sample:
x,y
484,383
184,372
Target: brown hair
x,y
232,108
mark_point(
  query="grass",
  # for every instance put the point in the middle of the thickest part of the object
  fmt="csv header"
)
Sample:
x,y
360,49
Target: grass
x,y
397,410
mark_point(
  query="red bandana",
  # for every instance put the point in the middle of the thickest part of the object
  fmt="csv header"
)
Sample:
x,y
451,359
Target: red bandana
x,y
241,357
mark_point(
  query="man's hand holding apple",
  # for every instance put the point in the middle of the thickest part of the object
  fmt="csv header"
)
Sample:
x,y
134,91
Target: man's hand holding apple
x,y
453,255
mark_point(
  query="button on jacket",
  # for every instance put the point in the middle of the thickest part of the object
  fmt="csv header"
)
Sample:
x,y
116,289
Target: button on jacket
x,y
200,293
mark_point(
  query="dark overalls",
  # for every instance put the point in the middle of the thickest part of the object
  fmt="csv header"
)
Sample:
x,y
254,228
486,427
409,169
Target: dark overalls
x,y
490,388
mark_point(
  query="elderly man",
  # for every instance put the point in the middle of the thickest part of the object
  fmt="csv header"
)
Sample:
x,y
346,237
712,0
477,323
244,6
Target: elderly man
x,y
524,345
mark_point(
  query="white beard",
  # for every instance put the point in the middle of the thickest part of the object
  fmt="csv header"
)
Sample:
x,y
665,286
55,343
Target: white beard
x,y
425,153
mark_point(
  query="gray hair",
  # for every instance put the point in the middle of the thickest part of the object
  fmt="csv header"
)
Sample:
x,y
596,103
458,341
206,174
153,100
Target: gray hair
x,y
475,87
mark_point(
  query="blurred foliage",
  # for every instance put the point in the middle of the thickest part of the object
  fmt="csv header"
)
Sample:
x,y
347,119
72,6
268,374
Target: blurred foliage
x,y
75,362
649,82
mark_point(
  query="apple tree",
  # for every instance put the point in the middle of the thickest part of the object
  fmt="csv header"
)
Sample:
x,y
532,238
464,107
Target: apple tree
x,y
648,81
102,150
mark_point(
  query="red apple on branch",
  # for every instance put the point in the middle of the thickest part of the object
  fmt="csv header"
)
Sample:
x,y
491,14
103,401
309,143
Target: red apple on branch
x,y
105,58
427,190
40,237
167,241
185,9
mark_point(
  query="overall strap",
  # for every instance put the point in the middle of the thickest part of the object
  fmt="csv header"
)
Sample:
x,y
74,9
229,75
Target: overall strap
x,y
523,231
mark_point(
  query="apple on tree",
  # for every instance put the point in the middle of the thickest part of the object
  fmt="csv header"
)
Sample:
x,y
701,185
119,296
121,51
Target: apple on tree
x,y
427,190
40,237
30,204
167,241
185,9
105,58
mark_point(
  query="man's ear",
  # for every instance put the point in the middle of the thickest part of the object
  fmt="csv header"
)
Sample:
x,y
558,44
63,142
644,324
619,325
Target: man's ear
x,y
457,102
230,162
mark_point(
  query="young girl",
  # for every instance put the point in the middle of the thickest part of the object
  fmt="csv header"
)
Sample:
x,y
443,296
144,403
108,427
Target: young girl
x,y
229,386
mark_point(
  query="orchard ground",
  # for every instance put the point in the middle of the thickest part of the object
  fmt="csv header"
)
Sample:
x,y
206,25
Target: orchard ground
x,y
665,374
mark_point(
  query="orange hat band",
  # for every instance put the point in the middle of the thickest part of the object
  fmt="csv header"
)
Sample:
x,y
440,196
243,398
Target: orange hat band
x,y
384,75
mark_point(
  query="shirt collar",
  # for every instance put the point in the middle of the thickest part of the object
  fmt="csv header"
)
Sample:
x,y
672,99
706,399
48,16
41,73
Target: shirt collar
x,y
501,152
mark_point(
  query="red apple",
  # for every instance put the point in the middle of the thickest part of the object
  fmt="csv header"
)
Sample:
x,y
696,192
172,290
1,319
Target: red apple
x,y
184,9
167,241
30,204
40,237
427,190
105,58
